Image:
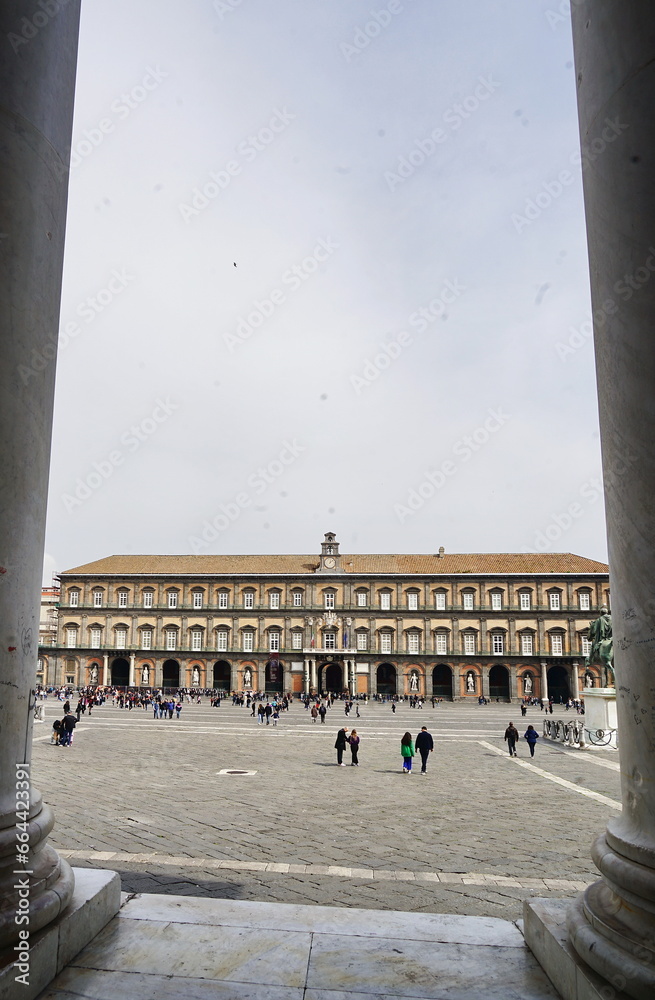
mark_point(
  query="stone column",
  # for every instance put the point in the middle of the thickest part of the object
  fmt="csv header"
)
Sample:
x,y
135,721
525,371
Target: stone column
x,y
306,676
544,680
131,680
105,669
575,677
37,80
612,926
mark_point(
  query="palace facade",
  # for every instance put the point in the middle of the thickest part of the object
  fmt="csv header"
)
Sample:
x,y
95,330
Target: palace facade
x,y
452,626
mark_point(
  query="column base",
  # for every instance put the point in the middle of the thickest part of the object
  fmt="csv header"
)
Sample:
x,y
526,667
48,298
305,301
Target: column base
x,y
546,929
96,899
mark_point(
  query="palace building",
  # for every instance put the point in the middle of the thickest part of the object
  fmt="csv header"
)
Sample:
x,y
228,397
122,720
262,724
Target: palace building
x,y
451,626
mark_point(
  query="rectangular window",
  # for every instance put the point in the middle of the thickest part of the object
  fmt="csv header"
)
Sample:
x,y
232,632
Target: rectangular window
x,y
412,602
122,598
196,638
440,601
222,599
556,645
121,638
467,602
584,602
329,601
362,640
147,598
97,598
554,601
362,599
296,640
274,642
524,601
413,642
146,638
385,602
197,599
385,642
96,635
74,598
469,644
586,646
248,642
274,601
248,599
297,599
526,645
441,643
171,639
172,600
221,640
497,644
329,640
496,601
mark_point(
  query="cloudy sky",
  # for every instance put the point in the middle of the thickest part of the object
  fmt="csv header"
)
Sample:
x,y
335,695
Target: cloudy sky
x,y
401,353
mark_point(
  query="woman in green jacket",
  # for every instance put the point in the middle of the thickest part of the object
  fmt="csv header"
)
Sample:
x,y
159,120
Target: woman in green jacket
x,y
407,751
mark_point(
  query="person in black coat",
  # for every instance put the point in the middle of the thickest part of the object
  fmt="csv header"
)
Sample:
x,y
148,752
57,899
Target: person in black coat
x,y
340,745
511,735
425,745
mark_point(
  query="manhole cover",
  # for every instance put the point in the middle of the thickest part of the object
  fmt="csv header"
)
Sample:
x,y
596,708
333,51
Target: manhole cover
x,y
231,770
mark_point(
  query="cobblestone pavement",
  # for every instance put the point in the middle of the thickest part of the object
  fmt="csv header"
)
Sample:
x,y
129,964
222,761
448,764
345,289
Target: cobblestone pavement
x,y
477,835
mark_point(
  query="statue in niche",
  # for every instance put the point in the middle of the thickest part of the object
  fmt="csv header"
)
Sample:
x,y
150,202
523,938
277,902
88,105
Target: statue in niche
x,y
195,678
413,681
145,675
602,646
247,677
470,681
527,683
94,674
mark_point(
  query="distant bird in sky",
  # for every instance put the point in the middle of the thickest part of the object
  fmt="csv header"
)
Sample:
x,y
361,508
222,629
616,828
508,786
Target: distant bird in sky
x,y
234,264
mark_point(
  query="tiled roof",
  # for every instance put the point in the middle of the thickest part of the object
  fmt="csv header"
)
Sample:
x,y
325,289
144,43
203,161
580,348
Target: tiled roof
x,y
451,563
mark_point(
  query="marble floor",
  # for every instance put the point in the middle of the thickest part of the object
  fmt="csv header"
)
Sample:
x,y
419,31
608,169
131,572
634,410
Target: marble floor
x,y
168,947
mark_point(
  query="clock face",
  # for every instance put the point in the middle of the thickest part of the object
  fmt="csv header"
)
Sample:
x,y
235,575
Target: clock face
x,y
329,562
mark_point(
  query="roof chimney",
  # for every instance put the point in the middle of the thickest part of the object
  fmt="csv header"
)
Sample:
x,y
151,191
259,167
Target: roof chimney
x,y
441,552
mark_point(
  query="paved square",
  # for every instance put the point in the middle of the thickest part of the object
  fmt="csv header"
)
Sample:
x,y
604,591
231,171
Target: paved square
x,y
146,797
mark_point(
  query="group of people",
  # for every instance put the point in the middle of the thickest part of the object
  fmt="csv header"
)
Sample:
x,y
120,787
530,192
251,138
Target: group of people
x,y
424,744
342,741
512,737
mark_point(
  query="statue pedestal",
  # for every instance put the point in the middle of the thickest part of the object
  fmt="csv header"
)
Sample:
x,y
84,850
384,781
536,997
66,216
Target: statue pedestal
x,y
600,716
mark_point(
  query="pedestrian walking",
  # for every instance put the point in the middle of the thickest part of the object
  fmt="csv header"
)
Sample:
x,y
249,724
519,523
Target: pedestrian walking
x,y
276,715
322,712
531,735
511,735
393,707
314,713
407,752
354,742
340,745
425,746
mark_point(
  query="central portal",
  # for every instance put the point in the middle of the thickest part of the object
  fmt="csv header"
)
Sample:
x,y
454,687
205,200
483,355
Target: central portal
x,y
331,675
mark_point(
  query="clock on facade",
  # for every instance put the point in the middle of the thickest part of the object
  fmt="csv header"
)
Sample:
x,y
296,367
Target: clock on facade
x,y
329,562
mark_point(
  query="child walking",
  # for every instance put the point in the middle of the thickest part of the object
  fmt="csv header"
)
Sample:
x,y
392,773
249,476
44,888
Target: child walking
x,y
407,752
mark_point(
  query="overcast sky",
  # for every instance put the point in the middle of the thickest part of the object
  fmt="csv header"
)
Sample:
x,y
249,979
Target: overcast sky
x,y
401,354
